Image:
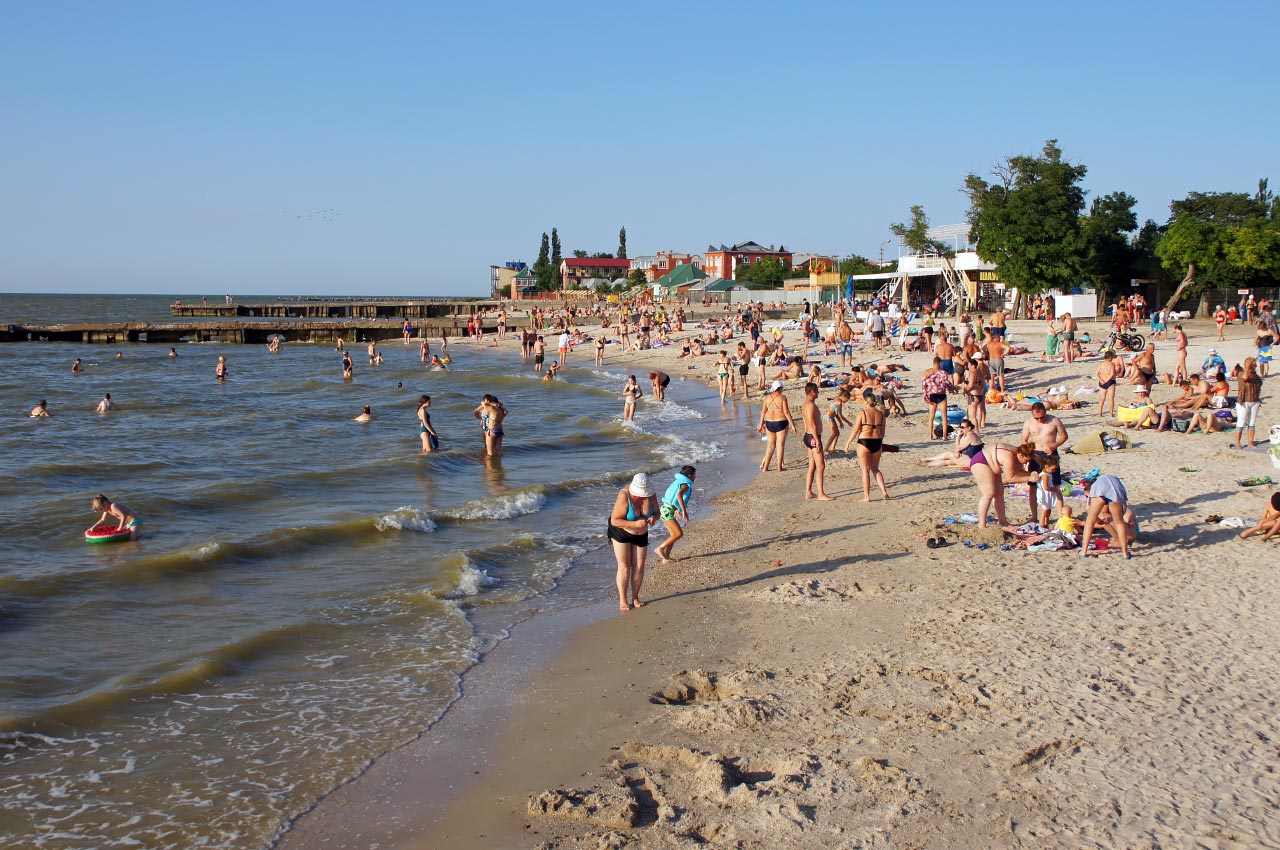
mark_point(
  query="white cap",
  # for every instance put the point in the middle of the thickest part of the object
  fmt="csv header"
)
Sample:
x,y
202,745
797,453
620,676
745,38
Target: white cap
x,y
1137,390
775,386
640,486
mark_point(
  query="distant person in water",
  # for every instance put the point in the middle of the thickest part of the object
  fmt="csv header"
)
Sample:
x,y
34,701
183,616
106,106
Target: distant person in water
x,y
106,404
373,351
366,415
121,514
437,364
551,371
119,355
75,367
221,369
348,368
173,352
41,410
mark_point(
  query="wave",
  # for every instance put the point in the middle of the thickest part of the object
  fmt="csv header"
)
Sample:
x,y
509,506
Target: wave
x,y
405,519
88,708
676,451
508,506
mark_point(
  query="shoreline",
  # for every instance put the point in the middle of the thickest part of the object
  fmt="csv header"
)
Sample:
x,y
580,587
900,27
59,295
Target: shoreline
x,y
849,685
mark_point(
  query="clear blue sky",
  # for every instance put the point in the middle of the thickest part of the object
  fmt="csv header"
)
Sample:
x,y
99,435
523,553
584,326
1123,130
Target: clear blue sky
x,y
171,147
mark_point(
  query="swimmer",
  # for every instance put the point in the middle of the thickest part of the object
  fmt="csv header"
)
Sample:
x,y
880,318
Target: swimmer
x,y
173,352
551,371
106,404
221,369
123,515
366,415
75,367
41,410
119,355
437,365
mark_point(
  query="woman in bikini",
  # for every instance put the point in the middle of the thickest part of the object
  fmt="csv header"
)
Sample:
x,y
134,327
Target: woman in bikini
x,y
634,510
775,420
990,486
869,432
975,390
1019,465
630,393
724,375
430,440
491,414
1106,375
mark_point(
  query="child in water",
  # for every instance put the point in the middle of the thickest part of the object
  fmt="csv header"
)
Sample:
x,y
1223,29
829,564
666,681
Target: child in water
x,y
123,515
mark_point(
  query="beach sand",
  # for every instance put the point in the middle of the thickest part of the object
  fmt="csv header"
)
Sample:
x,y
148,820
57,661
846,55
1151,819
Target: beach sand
x,y
812,675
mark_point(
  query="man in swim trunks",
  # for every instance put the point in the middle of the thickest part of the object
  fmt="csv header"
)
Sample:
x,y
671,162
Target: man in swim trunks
x,y
996,349
813,442
660,381
1047,433
1069,335
539,353
945,352
996,327
1106,376
1145,367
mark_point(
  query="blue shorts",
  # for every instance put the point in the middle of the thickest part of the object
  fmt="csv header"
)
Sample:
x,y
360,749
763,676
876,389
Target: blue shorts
x,y
948,366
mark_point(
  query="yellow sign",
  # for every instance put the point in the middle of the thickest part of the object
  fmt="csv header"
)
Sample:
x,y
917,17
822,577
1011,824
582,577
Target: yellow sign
x,y
989,276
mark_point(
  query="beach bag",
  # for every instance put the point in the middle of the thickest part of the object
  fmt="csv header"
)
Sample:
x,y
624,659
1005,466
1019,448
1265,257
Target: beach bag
x,y
1106,440
1181,425
1274,438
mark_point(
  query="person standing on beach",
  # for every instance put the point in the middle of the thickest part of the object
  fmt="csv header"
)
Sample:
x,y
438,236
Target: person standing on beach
x,y
220,371
563,347
660,381
775,418
675,507
41,410
600,348
869,432
406,331
1047,434
1145,367
634,511
936,386
430,439
1220,319
1069,336
1248,400
816,473
996,349
946,353
1181,374
1106,375
1106,494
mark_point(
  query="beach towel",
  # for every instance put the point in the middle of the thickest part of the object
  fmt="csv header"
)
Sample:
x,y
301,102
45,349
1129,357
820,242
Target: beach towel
x,y
1106,440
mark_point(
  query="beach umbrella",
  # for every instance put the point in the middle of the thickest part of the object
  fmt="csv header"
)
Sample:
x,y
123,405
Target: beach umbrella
x,y
848,287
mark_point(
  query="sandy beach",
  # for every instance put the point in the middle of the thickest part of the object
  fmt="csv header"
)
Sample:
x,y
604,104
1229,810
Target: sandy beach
x,y
812,675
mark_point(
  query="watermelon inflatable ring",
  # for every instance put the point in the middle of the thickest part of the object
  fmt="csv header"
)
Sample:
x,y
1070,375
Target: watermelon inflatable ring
x,y
107,534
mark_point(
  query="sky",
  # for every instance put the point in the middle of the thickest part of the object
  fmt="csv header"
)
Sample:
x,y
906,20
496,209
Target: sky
x,y
402,148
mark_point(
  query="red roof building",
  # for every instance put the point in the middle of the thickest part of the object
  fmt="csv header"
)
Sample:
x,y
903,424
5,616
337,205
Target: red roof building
x,y
722,261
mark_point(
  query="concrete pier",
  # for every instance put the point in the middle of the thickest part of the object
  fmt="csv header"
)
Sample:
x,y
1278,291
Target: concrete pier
x,y
240,331
335,308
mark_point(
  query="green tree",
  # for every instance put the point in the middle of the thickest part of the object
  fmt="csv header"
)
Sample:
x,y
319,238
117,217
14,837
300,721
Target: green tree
x,y
579,253
1222,239
557,279
542,266
765,274
857,265
636,277
915,234
1027,222
622,244
1109,258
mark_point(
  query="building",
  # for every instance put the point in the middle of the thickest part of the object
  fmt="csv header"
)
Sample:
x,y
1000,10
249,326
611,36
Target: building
x,y
722,261
676,283
524,286
574,271
501,277
664,262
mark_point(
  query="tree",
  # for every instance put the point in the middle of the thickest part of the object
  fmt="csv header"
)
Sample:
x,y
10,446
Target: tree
x,y
556,278
1109,258
916,234
1028,221
622,244
765,274
636,277
857,265
1222,239
579,253
542,266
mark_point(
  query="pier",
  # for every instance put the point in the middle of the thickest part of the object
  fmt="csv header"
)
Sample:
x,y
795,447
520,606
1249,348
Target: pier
x,y
236,331
335,308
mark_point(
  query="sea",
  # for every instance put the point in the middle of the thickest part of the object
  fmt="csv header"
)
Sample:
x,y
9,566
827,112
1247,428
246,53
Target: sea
x,y
308,591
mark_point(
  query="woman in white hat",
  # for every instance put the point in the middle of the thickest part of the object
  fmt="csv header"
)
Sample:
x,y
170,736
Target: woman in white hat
x,y
634,511
775,420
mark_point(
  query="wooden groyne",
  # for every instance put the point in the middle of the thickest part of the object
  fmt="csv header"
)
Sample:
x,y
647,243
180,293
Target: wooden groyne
x,y
335,308
239,331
